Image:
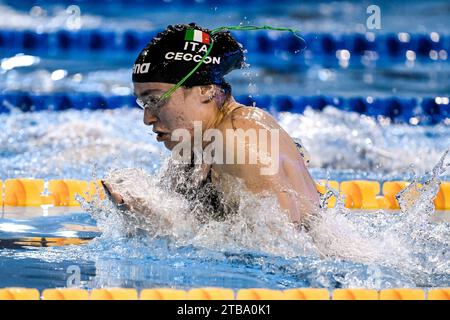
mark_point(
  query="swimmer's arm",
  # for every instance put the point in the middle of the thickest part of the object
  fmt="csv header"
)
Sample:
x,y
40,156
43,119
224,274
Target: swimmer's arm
x,y
302,196
290,180
291,198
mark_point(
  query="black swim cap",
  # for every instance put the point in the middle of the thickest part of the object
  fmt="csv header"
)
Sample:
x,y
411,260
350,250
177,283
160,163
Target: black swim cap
x,y
173,53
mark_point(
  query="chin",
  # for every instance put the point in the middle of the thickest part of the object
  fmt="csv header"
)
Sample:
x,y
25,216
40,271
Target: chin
x,y
170,144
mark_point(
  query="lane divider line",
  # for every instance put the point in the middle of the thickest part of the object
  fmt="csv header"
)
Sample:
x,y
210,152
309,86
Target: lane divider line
x,y
210,293
358,194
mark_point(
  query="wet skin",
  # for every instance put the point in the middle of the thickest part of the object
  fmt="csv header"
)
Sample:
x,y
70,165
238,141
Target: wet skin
x,y
292,183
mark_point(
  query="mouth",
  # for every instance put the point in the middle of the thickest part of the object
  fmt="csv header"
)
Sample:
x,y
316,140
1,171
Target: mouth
x,y
161,135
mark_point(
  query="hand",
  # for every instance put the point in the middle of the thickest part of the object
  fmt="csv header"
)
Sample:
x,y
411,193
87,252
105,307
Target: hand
x,y
115,197
125,201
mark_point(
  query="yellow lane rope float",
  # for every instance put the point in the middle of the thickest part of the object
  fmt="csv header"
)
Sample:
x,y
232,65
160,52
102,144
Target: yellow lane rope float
x,y
224,294
357,194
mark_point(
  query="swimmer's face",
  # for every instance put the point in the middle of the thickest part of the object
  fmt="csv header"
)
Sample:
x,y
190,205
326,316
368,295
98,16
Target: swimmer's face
x,y
179,111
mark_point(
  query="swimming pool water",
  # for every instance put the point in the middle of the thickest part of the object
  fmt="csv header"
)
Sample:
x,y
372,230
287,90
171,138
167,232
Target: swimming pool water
x,y
41,248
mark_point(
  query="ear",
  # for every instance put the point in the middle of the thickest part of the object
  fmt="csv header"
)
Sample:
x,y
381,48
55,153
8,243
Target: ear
x,y
207,93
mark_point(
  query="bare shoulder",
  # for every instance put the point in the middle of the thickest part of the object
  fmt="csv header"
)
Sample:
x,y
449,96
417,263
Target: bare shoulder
x,y
245,117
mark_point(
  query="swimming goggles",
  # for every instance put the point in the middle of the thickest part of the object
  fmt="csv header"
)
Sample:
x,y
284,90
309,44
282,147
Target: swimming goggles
x,y
151,103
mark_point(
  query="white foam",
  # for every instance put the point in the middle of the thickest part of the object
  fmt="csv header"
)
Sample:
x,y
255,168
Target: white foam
x,y
408,243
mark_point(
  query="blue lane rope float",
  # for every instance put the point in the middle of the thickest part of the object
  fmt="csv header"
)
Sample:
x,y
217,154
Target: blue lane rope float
x,y
425,110
131,41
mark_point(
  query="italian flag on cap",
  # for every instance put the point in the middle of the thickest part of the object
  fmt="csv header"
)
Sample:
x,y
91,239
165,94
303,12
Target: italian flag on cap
x,y
197,35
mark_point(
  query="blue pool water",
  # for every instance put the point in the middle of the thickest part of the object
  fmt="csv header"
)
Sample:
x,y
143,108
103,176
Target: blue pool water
x,y
344,249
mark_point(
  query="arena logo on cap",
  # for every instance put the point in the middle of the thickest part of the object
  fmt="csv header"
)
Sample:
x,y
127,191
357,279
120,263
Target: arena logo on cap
x,y
197,35
141,67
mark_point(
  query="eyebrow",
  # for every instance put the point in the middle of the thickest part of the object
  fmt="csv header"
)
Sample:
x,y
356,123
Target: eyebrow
x,y
147,92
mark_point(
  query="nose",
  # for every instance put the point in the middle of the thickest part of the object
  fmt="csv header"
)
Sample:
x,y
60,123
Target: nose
x,y
149,117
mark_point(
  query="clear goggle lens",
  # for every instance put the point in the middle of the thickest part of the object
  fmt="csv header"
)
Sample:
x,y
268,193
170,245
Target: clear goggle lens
x,y
152,103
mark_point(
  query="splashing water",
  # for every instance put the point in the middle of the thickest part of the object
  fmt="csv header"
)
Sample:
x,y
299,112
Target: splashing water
x,y
343,248
68,144
408,241
64,144
363,143
173,216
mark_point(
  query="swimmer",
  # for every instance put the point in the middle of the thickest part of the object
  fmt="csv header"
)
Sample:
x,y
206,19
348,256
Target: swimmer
x,y
205,98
